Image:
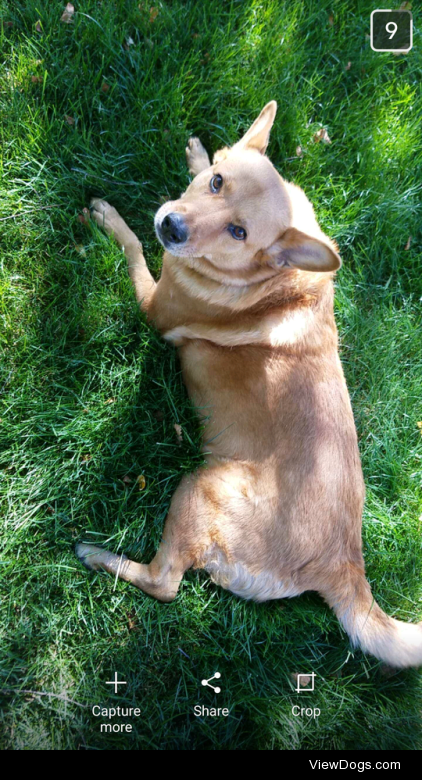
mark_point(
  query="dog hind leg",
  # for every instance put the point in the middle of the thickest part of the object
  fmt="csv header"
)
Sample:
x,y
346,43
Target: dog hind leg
x,y
160,578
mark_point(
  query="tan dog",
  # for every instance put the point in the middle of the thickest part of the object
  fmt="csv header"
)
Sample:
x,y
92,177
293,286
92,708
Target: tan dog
x,y
246,293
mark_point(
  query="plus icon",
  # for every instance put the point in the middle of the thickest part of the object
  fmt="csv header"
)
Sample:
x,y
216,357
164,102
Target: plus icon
x,y
116,682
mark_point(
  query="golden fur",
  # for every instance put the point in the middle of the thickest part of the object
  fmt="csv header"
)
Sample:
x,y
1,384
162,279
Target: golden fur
x,y
277,509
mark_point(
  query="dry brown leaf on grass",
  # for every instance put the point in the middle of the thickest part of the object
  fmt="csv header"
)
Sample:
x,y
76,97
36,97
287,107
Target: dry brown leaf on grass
x,y
84,217
141,482
409,242
304,679
36,79
105,87
127,480
323,136
69,119
348,66
67,15
131,619
153,13
38,26
179,432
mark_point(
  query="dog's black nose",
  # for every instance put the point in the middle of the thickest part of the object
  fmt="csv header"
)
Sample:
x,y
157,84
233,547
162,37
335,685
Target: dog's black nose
x,y
174,229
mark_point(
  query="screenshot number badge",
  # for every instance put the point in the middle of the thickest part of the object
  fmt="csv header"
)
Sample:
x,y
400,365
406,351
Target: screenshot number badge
x,y
391,31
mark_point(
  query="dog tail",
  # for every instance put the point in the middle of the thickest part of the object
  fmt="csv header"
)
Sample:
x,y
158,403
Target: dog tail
x,y
396,643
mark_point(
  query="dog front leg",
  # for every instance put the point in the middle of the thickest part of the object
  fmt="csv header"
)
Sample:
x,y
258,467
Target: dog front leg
x,y
108,218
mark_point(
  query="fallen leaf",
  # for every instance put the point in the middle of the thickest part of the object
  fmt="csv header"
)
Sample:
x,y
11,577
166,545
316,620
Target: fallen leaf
x,y
69,119
86,458
84,217
7,24
105,87
131,621
419,424
405,7
323,136
299,151
304,679
67,15
179,433
36,79
409,241
348,66
141,482
127,480
38,27
331,20
110,401
153,13
80,249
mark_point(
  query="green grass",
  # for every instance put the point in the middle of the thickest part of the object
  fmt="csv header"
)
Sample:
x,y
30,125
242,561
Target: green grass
x,y
89,393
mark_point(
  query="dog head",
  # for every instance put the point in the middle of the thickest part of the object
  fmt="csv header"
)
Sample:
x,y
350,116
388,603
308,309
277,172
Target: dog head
x,y
240,214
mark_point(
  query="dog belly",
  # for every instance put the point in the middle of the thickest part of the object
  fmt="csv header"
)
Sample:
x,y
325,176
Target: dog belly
x,y
238,579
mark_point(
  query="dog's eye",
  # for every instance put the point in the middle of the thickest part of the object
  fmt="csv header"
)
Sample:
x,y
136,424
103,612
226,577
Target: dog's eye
x,y
237,232
216,183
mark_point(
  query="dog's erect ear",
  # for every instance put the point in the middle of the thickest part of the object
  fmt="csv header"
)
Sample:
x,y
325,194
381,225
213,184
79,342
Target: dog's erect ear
x,y
258,134
298,250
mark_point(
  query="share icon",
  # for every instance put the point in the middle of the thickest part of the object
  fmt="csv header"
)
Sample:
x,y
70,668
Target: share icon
x,y
215,676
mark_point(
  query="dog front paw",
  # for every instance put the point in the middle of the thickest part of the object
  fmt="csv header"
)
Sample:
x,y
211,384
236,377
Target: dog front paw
x,y
196,157
105,216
